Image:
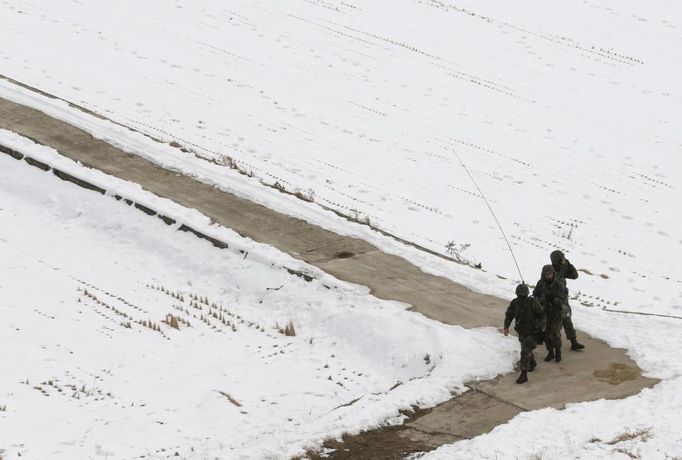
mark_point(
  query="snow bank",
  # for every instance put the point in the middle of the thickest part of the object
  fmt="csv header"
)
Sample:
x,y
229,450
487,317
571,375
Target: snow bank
x,y
92,370
647,425
566,113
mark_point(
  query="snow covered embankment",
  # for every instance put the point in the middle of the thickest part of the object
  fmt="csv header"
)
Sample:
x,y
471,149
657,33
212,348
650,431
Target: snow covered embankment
x,y
128,338
567,113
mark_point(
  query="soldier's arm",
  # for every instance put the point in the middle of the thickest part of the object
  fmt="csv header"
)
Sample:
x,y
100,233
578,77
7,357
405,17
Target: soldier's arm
x,y
539,315
558,288
570,272
509,315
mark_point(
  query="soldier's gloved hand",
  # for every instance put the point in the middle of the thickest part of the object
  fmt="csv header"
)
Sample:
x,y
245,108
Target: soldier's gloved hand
x,y
506,332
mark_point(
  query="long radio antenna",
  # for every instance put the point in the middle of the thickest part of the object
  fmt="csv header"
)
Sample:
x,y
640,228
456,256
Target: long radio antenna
x,y
511,251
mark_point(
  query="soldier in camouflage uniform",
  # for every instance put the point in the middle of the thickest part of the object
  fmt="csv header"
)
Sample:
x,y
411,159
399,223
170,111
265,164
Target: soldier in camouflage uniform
x,y
564,269
550,292
530,319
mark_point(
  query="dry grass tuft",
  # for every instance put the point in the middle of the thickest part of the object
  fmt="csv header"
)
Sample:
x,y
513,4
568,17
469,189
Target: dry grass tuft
x,y
173,321
629,436
226,160
289,330
307,195
230,398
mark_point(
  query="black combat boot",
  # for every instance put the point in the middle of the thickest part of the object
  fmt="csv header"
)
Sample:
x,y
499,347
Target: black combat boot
x,y
557,355
550,355
575,346
533,365
523,378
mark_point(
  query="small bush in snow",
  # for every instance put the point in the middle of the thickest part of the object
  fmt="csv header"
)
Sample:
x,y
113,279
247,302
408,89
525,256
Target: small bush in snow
x,y
455,250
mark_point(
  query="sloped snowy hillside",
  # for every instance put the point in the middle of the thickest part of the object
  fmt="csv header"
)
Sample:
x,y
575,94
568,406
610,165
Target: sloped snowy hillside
x,y
123,337
566,112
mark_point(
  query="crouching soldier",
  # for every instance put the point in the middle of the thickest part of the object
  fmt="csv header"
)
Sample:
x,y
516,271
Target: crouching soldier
x,y
550,292
530,319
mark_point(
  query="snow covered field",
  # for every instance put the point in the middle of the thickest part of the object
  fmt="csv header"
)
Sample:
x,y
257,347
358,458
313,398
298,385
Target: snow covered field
x,y
95,366
566,112
79,268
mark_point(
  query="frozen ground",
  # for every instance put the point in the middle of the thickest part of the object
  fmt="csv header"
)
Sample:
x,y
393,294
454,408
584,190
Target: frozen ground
x,y
566,112
647,426
92,366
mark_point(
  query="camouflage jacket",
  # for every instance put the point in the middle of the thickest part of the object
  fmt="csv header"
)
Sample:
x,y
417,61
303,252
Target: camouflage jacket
x,y
552,295
565,271
528,314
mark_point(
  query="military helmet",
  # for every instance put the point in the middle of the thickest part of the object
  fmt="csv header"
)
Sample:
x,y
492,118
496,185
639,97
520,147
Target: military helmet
x,y
522,290
546,269
556,257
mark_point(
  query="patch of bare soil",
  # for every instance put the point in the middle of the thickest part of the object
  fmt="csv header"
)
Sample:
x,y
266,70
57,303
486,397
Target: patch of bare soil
x,y
616,374
382,444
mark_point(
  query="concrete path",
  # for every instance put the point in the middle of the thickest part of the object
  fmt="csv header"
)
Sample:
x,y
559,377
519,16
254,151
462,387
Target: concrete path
x,y
598,372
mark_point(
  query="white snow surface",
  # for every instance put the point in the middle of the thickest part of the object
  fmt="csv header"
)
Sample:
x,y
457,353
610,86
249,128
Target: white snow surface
x,y
83,378
646,426
566,113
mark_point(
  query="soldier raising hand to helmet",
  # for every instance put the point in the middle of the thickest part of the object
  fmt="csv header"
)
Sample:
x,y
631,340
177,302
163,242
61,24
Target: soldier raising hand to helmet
x,y
565,270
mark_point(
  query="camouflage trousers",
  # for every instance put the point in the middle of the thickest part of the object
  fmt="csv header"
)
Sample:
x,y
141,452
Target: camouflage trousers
x,y
528,344
553,333
568,324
